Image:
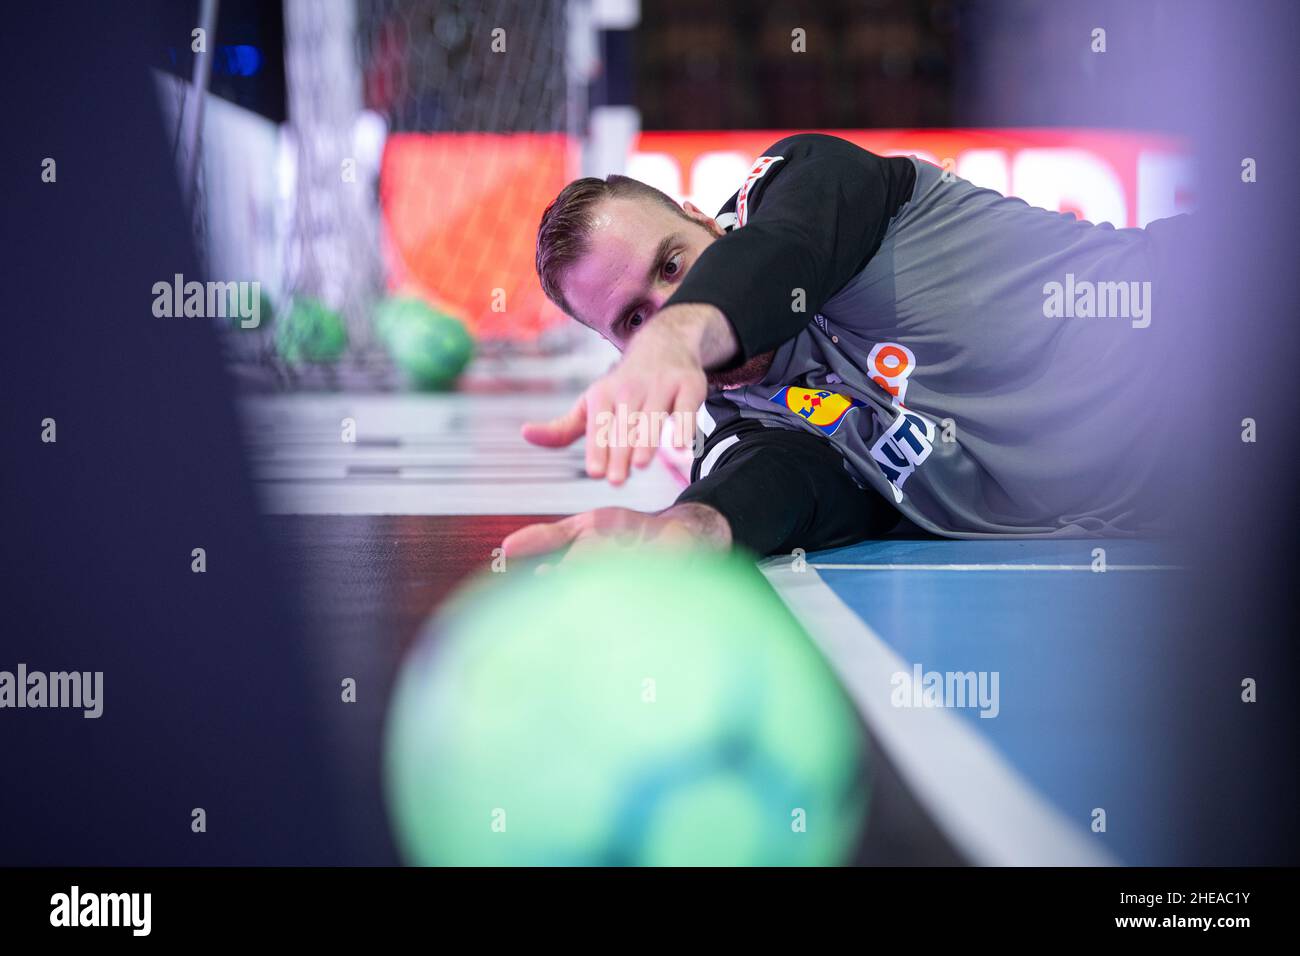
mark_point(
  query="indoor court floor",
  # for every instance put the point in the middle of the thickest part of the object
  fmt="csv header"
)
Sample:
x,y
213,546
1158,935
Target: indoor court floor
x,y
374,534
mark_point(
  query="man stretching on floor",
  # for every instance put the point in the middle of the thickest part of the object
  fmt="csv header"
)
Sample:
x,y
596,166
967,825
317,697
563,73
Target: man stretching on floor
x,y
869,337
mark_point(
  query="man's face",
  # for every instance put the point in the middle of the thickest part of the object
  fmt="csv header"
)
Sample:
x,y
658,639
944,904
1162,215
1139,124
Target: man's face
x,y
640,250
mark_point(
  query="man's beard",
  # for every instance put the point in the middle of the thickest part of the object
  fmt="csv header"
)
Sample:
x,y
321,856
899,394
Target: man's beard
x,y
752,371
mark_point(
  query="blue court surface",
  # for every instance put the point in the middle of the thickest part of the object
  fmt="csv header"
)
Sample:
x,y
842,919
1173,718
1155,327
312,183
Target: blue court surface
x,y
1072,724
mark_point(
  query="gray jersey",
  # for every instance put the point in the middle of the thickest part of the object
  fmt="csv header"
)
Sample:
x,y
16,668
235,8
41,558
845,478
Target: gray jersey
x,y
988,370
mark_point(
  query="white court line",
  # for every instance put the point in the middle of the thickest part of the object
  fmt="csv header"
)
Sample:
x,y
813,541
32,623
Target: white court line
x,y
995,567
992,813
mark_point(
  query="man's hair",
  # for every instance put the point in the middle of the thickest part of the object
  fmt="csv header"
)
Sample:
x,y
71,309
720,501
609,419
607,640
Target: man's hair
x,y
564,235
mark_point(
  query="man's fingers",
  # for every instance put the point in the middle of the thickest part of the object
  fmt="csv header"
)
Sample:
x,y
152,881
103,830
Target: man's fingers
x,y
687,403
631,441
537,539
623,435
599,417
559,432
657,407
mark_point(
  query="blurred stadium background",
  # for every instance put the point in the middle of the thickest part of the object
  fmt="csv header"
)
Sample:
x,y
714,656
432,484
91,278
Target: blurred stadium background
x,y
344,152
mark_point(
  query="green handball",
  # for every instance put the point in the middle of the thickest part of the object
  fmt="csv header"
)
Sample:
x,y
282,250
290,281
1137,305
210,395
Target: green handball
x,y
430,347
311,332
650,708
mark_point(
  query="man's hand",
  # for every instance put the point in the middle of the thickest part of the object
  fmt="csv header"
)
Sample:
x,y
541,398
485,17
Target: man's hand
x,y
661,374
688,526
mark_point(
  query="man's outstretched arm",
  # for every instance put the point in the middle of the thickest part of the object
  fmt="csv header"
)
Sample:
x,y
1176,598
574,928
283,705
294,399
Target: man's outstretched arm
x,y
816,217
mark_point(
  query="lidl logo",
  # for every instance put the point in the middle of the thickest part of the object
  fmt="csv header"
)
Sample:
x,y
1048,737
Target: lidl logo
x,y
825,410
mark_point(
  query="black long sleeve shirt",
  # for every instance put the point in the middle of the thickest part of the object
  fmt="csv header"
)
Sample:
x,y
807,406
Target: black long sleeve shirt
x,y
812,219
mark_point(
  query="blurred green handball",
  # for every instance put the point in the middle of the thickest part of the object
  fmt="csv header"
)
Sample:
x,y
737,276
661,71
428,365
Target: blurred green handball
x,y
624,709
310,332
431,347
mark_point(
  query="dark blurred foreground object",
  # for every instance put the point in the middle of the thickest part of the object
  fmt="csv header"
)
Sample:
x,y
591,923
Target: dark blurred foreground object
x,y
205,751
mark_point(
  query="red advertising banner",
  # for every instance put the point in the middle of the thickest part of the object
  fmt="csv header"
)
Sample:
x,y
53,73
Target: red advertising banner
x,y
462,209
1126,179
